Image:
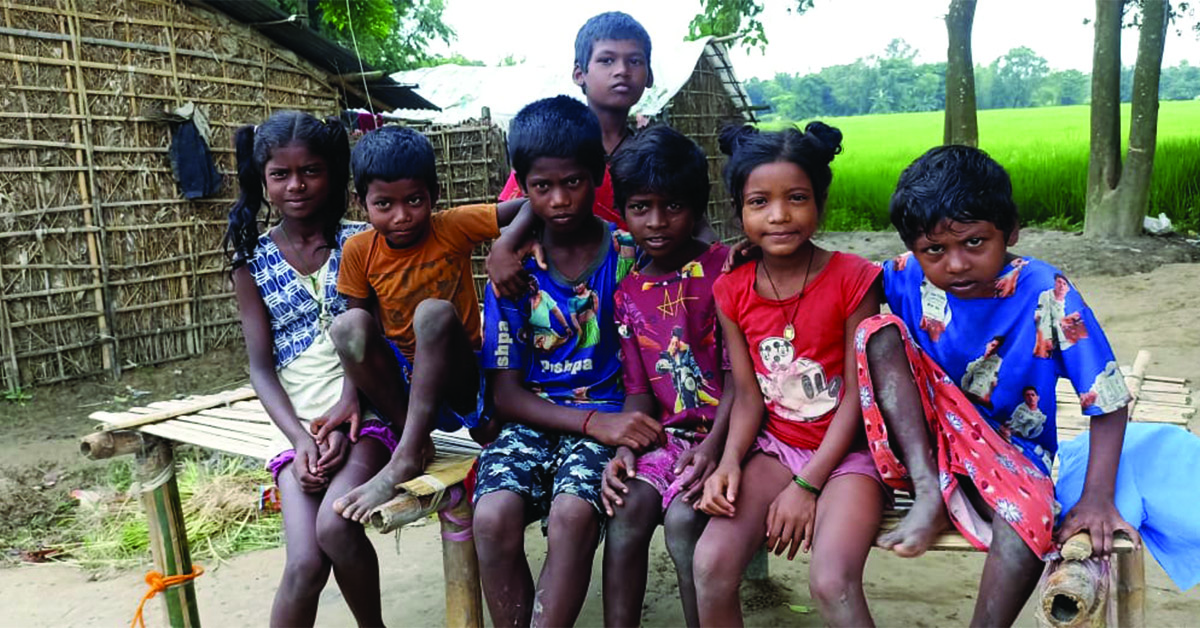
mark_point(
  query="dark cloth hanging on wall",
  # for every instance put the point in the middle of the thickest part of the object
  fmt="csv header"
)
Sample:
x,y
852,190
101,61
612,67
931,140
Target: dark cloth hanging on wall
x,y
192,162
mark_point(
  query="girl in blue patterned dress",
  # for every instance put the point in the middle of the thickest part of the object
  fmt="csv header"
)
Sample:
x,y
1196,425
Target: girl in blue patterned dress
x,y
286,286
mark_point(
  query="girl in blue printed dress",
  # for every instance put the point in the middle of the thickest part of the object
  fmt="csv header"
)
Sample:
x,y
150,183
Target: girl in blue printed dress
x,y
286,286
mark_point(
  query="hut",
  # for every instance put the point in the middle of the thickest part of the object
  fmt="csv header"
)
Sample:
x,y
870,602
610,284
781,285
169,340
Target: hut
x,y
695,91
104,264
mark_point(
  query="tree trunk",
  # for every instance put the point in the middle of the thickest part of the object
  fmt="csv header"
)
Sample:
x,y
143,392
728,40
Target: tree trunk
x,y
1143,124
1116,199
961,126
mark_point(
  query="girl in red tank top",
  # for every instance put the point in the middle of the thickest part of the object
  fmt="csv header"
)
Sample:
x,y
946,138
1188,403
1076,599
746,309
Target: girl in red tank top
x,y
795,470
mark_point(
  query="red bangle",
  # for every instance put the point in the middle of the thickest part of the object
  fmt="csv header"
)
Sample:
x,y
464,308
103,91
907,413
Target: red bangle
x,y
588,419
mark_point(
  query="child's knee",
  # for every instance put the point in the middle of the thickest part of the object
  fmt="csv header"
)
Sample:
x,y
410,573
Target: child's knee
x,y
305,575
499,523
682,527
350,331
337,536
573,521
434,319
713,572
831,583
885,343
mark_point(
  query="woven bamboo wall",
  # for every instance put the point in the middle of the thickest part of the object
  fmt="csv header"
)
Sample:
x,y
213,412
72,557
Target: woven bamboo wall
x,y
103,264
699,110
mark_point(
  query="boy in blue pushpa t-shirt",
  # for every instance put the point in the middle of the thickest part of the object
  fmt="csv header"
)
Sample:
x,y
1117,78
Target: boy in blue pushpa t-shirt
x,y
553,364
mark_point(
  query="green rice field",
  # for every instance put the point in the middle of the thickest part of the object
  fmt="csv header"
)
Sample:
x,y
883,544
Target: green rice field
x,y
1045,150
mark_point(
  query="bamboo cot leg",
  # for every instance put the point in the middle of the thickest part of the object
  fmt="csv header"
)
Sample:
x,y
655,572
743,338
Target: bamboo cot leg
x,y
1131,588
757,570
464,598
168,537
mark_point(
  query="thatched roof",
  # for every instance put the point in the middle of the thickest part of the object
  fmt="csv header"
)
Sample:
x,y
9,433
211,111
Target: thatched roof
x,y
462,91
318,50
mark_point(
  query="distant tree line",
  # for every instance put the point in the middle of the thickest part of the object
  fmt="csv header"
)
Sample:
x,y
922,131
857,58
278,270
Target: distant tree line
x,y
893,83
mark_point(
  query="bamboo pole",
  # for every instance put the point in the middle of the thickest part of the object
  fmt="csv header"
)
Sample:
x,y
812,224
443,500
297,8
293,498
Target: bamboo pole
x,y
168,537
12,370
89,194
104,445
758,570
460,566
1131,588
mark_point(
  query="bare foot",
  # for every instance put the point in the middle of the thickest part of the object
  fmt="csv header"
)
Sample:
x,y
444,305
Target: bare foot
x,y
919,528
358,504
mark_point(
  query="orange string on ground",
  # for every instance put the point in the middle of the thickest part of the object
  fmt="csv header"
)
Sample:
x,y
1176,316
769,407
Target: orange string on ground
x,y
159,583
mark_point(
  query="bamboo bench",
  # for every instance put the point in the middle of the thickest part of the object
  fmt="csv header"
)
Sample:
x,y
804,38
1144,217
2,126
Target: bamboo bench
x,y
1156,400
235,422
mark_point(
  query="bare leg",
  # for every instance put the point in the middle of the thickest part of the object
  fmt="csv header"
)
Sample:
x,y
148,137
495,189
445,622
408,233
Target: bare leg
x,y
369,362
899,401
1010,575
355,565
444,370
499,526
307,568
682,528
728,544
570,547
627,554
848,513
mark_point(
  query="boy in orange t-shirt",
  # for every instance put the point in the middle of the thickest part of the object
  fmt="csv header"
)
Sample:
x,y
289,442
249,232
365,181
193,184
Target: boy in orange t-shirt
x,y
413,315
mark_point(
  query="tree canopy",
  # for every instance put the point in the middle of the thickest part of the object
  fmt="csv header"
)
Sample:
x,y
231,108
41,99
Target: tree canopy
x,y
894,82
391,35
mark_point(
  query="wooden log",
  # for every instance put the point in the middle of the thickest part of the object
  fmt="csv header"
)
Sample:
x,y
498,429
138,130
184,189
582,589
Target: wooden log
x,y
159,492
1074,595
460,567
1131,588
102,445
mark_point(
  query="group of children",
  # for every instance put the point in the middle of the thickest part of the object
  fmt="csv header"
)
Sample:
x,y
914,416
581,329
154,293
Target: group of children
x,y
627,381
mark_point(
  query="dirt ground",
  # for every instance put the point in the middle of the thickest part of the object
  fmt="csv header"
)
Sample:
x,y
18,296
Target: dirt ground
x,y
1144,295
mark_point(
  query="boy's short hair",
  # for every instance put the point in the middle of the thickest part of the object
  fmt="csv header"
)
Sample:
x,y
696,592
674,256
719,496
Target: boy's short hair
x,y
556,127
958,183
610,25
391,153
661,160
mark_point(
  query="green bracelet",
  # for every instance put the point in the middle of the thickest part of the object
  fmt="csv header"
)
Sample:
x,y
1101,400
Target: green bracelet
x,y
803,483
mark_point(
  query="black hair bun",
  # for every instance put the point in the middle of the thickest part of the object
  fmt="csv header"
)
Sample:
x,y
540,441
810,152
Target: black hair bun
x,y
732,136
827,137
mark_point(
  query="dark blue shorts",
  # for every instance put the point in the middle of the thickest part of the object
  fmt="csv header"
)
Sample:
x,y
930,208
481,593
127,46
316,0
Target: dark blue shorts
x,y
448,419
540,465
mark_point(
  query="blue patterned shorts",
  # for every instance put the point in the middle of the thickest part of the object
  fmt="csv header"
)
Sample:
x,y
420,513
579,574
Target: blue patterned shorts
x,y
539,466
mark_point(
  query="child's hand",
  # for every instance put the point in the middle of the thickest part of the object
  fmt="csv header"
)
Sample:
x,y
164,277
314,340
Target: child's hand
x,y
1100,518
739,254
345,410
635,430
304,466
333,453
790,521
695,466
720,491
618,470
506,269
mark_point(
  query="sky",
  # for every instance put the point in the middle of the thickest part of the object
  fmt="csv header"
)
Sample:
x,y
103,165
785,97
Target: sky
x,y
833,33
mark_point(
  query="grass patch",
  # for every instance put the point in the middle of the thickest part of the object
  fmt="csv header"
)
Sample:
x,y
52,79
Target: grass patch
x,y
93,516
1045,150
